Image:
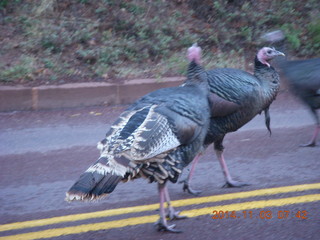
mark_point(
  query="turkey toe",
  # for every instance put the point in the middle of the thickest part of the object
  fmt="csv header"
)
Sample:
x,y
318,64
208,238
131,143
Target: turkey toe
x,y
161,227
187,188
230,184
172,215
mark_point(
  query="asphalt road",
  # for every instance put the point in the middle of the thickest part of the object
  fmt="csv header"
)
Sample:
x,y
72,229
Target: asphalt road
x,y
43,153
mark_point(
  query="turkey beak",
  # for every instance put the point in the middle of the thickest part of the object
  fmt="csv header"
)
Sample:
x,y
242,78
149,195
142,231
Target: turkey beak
x,y
280,53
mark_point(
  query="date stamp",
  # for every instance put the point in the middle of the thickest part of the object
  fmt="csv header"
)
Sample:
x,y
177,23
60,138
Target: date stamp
x,y
281,214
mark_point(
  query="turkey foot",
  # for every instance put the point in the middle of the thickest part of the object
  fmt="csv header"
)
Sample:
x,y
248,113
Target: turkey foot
x,y
187,188
173,215
233,183
313,140
310,144
163,227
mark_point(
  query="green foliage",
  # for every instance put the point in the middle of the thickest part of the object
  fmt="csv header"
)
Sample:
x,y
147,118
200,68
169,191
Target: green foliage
x,y
8,5
83,1
3,3
21,70
56,37
48,63
133,8
136,38
292,34
314,30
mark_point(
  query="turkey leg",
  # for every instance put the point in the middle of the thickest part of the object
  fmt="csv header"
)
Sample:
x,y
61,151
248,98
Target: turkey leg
x,y
229,181
186,182
171,213
161,224
313,140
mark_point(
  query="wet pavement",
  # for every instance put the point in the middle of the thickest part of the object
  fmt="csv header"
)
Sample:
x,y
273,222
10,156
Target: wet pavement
x,y
42,153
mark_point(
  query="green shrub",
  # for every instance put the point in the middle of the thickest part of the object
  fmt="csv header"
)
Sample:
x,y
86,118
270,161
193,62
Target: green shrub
x,y
314,31
23,69
293,35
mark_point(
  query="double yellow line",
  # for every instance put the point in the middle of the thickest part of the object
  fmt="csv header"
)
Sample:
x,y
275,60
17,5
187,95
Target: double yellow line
x,y
55,232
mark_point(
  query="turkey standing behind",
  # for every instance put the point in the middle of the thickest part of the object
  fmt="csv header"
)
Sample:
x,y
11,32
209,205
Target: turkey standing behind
x,y
155,138
241,96
304,80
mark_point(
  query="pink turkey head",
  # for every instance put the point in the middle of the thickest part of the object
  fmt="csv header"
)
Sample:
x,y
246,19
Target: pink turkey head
x,y
194,53
266,54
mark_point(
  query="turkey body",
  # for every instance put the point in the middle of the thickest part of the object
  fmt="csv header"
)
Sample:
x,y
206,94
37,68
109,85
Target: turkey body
x,y
249,95
155,138
304,81
186,111
303,77
237,97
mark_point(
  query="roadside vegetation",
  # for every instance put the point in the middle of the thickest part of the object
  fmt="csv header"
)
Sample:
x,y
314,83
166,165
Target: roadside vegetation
x,y
55,41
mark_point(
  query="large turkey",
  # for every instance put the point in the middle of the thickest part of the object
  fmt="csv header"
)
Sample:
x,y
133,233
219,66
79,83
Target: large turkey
x,y
155,138
304,80
245,95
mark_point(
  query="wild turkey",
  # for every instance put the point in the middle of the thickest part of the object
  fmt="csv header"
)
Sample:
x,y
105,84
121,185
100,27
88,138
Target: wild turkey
x,y
304,80
155,138
245,95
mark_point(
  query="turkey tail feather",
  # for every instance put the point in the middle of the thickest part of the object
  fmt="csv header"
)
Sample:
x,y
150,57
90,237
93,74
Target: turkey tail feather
x,y
92,186
106,185
99,180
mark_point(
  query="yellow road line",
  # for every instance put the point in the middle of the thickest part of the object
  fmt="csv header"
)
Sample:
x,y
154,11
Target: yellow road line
x,y
142,208
152,218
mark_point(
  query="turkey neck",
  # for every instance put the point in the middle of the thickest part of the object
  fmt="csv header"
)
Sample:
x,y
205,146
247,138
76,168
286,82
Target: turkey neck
x,y
269,80
197,76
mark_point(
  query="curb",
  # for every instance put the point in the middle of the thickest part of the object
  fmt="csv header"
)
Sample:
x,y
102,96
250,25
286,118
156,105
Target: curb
x,y
79,94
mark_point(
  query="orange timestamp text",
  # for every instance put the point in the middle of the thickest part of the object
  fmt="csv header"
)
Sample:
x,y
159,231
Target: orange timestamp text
x,y
281,214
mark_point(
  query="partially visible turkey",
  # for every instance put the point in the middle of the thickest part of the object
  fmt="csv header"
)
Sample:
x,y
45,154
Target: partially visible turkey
x,y
242,97
155,138
304,80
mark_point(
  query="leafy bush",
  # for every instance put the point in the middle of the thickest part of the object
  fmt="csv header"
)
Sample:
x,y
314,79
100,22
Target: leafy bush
x,y
23,69
314,29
